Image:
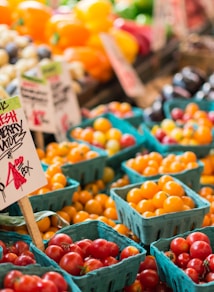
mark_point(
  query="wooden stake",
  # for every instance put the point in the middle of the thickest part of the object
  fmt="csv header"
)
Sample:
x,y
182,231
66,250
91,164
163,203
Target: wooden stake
x,y
39,140
27,211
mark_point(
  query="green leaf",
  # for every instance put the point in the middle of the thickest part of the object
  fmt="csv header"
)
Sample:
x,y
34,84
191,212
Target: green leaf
x,y
55,38
7,220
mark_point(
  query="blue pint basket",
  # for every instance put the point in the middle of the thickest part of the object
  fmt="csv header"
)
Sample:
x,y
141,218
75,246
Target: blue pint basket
x,y
173,275
52,201
36,270
166,225
190,177
153,144
125,127
108,279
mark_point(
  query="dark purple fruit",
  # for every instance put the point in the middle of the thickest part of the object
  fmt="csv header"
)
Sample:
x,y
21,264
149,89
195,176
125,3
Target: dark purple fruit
x,y
43,52
171,92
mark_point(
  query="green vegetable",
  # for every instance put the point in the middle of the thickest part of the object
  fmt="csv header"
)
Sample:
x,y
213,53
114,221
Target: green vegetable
x,y
124,10
7,220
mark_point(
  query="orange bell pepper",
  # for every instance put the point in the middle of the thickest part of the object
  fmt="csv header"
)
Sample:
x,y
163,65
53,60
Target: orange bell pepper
x,y
63,31
5,12
30,18
95,62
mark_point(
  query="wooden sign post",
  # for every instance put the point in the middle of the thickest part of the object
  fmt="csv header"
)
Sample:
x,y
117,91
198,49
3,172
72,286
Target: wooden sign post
x,y
22,171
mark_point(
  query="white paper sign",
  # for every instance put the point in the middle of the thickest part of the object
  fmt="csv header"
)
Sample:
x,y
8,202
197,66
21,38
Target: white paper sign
x,y
66,106
126,74
179,18
160,10
21,170
209,8
37,101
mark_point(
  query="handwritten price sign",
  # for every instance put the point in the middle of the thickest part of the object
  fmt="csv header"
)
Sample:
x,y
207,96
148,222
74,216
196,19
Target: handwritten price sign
x,y
37,102
21,171
67,111
126,74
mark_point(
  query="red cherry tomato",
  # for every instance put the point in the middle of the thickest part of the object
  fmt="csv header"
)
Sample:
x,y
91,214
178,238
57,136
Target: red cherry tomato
x,y
197,235
129,251
134,287
48,286
209,263
24,260
179,245
182,260
148,263
171,255
10,277
26,283
100,248
114,249
55,252
109,261
60,239
149,278
193,274
21,246
200,249
91,264
84,244
57,279
209,277
72,263
198,265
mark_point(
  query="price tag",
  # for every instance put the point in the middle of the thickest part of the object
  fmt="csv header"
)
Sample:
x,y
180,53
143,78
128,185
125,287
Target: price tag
x,y
37,102
22,172
160,11
3,93
209,8
66,107
54,4
126,74
179,18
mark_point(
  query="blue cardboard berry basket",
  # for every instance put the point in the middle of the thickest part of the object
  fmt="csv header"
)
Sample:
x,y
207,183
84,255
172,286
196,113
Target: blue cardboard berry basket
x,y
107,279
135,120
85,171
190,177
1,252
53,201
153,144
204,105
173,275
166,225
125,127
36,270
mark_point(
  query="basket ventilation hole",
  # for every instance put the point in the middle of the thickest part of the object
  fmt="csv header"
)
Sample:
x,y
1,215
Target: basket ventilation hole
x,y
128,278
82,179
96,174
121,215
138,231
175,286
158,234
111,286
193,226
176,230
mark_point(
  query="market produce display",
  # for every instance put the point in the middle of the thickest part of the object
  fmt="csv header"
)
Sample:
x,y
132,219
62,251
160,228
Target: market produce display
x,y
129,188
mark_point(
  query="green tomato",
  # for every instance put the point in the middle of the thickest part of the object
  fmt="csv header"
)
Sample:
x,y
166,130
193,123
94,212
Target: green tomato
x,y
143,19
144,6
126,11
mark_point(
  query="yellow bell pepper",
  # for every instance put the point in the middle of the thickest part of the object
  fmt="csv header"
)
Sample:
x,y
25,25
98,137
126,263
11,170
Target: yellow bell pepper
x,y
126,42
90,10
